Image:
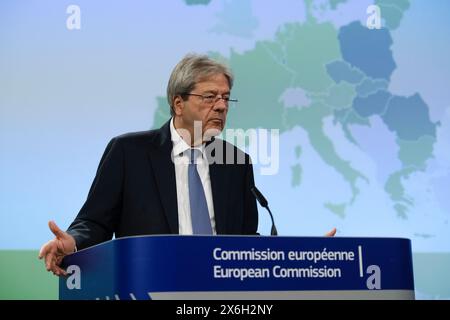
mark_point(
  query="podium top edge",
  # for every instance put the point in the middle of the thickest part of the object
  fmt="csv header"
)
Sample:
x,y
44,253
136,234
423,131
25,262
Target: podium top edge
x,y
235,236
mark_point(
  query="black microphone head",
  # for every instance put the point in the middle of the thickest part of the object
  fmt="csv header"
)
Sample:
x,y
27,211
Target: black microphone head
x,y
258,195
273,231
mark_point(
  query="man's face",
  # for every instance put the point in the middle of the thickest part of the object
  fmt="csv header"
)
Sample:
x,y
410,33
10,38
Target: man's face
x,y
211,115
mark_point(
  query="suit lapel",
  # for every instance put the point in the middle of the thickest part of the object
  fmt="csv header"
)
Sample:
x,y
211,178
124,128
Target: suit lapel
x,y
164,171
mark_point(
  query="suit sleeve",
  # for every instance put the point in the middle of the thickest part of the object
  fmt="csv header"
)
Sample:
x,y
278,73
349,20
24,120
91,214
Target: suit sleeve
x,y
97,219
250,209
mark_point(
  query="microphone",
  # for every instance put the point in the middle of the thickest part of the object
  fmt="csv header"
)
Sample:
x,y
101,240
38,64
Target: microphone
x,y
263,202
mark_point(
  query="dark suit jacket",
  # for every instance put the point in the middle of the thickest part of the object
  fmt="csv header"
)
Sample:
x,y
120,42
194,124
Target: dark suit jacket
x,y
134,191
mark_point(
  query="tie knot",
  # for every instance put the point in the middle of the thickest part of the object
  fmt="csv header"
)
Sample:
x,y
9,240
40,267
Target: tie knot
x,y
194,154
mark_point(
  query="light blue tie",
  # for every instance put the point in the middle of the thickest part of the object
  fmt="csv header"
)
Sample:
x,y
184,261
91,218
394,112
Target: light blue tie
x,y
201,224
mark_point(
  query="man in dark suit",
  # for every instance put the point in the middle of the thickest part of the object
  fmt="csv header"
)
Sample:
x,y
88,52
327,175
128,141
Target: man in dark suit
x,y
174,180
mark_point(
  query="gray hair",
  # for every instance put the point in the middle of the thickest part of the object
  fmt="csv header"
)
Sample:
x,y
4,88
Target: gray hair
x,y
191,69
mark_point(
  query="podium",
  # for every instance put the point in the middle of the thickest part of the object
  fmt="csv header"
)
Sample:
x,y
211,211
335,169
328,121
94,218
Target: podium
x,y
240,267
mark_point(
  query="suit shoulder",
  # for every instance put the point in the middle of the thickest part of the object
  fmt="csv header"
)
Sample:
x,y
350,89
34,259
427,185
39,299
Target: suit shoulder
x,y
135,138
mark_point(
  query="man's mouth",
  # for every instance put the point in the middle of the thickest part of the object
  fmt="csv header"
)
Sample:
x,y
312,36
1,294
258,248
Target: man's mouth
x,y
217,121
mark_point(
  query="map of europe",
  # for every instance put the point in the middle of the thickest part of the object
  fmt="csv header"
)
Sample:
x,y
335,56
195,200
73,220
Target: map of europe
x,y
318,73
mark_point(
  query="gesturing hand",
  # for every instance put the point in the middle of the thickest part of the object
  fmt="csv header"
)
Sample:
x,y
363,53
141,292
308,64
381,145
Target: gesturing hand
x,y
55,250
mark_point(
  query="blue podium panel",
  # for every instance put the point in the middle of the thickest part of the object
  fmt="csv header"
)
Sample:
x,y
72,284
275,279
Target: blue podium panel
x,y
240,267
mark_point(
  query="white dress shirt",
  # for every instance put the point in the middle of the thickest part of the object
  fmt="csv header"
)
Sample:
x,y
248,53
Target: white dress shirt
x,y
180,156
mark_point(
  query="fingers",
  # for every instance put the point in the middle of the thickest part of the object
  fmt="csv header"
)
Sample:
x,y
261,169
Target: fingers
x,y
52,262
58,271
50,257
44,250
331,233
56,230
53,251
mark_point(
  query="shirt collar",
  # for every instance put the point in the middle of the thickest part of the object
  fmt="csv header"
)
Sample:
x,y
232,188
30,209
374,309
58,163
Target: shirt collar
x,y
179,145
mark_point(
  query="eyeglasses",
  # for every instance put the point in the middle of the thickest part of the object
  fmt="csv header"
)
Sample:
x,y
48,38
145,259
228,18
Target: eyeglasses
x,y
212,99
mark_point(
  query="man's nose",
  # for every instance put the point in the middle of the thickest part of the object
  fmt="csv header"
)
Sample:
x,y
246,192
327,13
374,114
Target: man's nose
x,y
220,105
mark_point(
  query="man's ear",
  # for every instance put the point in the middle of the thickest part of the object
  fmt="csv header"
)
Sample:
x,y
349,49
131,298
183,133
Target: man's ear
x,y
178,105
